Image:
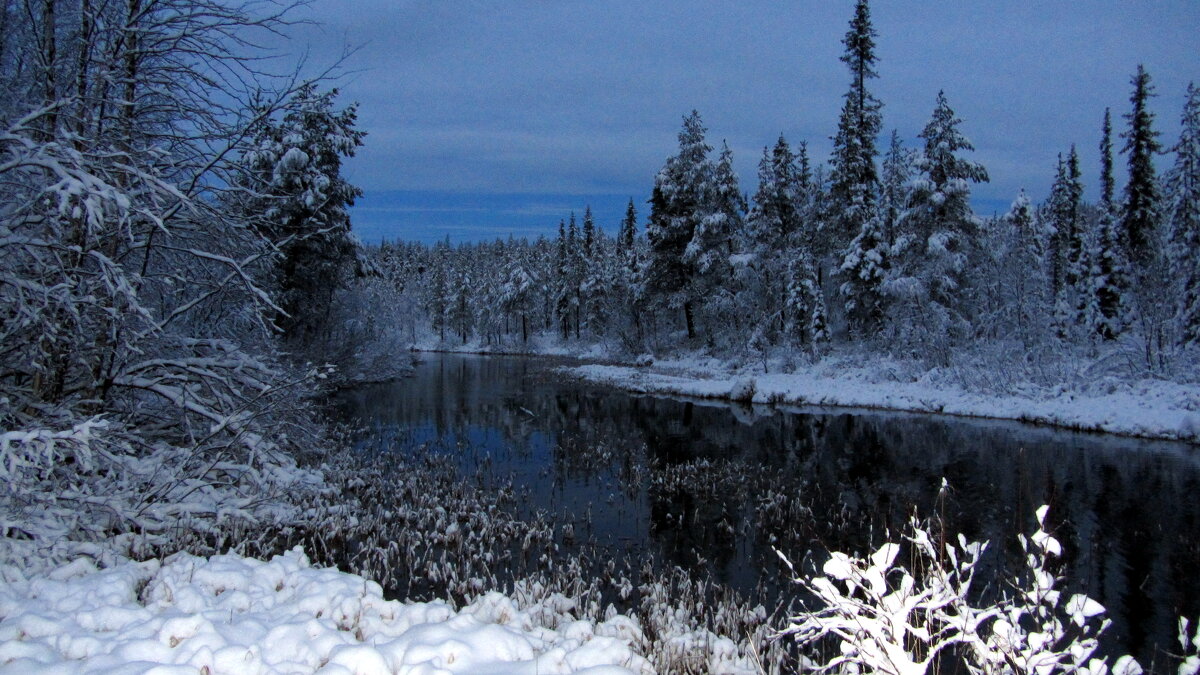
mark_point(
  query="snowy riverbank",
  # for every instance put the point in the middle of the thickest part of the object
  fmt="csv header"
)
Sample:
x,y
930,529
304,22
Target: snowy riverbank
x,y
1143,408
229,614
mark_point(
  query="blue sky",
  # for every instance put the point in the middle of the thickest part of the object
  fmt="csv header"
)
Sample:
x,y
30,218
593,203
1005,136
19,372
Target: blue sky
x,y
490,118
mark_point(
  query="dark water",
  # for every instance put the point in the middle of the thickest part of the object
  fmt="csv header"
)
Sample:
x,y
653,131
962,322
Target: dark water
x,y
715,487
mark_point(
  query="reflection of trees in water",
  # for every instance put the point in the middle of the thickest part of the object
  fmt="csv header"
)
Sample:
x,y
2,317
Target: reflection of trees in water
x,y
1124,510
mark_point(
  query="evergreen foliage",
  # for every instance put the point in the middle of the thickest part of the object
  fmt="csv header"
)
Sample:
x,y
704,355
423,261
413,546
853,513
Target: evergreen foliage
x,y
681,192
939,230
1183,217
854,177
302,202
1142,210
1109,265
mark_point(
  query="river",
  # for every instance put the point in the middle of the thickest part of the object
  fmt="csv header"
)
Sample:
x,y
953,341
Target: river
x,y
715,487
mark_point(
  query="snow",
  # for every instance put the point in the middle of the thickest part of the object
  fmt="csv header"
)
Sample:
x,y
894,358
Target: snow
x,y
1144,408
230,614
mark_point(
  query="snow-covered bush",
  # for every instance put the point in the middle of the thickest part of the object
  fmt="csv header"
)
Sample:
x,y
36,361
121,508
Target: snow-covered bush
x,y
881,617
140,388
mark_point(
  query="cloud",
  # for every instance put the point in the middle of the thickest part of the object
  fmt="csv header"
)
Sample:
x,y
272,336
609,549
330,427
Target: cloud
x,y
580,97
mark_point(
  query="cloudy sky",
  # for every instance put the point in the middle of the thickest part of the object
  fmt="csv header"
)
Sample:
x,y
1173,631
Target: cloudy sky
x,y
490,118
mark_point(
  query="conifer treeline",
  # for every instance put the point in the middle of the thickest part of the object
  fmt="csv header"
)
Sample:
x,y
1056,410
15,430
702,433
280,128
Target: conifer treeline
x,y
869,248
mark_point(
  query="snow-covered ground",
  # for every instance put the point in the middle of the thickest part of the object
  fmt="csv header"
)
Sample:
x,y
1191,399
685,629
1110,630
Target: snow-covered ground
x,y
229,614
1144,408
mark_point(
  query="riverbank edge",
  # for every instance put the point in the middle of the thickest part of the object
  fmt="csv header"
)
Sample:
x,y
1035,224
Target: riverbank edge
x,y
1146,414
1146,409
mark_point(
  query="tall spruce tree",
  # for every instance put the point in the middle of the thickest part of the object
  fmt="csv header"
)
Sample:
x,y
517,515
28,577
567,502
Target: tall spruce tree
x,y
897,171
628,232
295,167
1107,182
1183,215
712,245
1142,208
1109,274
1020,268
854,178
774,230
939,230
589,232
1070,278
676,207
722,223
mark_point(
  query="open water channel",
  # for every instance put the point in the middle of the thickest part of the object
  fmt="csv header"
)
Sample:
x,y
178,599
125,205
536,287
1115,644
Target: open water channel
x,y
715,487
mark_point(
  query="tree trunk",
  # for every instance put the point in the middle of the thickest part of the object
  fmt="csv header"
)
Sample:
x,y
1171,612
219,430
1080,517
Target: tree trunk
x,y
691,321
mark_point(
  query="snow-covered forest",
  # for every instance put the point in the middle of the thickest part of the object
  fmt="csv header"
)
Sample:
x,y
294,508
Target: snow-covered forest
x,y
876,251
181,289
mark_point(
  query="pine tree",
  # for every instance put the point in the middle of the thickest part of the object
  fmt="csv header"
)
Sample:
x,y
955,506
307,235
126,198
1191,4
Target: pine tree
x,y
295,167
713,240
1183,216
676,208
1142,209
628,233
854,178
1107,183
1020,267
589,232
897,171
805,302
865,267
563,293
774,229
1070,274
1110,278
1109,274
939,229
776,217
629,276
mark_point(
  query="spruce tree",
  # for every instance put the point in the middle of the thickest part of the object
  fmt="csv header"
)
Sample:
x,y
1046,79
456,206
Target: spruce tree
x,y
295,167
1109,278
1070,276
897,171
562,282
589,232
774,230
805,302
676,207
575,273
1142,209
939,229
1107,183
1183,215
1021,268
628,233
864,268
722,222
854,179
712,245
1056,251
776,215
1109,274
864,261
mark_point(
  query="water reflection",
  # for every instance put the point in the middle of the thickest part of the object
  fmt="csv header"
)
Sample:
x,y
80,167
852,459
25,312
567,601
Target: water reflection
x,y
715,487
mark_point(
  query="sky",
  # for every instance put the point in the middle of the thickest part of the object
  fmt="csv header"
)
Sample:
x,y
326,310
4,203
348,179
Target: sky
x,y
494,118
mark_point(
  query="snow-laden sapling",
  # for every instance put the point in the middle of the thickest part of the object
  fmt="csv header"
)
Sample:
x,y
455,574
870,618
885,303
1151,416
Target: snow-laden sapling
x,y
883,618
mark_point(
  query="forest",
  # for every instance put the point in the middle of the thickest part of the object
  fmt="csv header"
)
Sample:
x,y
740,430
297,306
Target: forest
x,y
877,251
